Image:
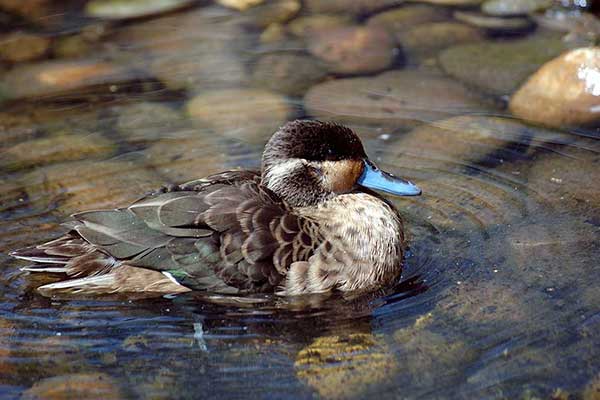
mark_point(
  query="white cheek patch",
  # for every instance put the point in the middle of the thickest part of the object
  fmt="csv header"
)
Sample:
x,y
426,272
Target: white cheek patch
x,y
276,174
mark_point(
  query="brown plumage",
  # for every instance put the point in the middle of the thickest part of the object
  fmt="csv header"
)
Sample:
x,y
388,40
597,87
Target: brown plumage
x,y
303,224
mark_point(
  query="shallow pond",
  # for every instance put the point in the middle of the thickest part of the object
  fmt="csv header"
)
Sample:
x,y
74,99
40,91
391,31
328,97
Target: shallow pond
x,y
103,101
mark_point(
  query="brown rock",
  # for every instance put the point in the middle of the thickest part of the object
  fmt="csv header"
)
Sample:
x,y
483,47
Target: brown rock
x,y
339,367
566,178
31,9
148,122
75,386
394,98
55,149
465,139
310,25
398,20
184,159
246,114
83,185
354,50
500,67
273,12
563,92
21,46
288,73
240,5
117,10
425,41
52,78
355,7
188,50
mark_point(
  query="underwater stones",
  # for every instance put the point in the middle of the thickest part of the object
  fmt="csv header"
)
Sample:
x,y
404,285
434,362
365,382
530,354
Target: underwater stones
x,y
29,9
489,302
72,386
21,46
425,41
124,9
563,92
245,114
308,25
514,7
499,68
343,366
425,353
271,13
240,5
188,50
288,73
354,50
464,138
52,78
541,251
356,7
404,98
493,24
398,20
567,178
148,121
81,185
456,3
183,159
55,149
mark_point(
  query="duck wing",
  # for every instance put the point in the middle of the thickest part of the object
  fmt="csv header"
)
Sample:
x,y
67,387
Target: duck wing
x,y
224,233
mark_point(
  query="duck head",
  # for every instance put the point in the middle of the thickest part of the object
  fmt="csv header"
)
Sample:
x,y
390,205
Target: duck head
x,y
307,162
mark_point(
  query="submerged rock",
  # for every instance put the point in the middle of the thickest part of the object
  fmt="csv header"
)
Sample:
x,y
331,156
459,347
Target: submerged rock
x,y
396,98
460,3
83,385
464,139
21,46
563,92
288,73
183,159
354,50
399,20
197,50
240,5
245,114
276,12
425,353
52,78
499,67
565,178
309,25
425,41
147,121
124,9
55,149
83,185
493,24
339,367
356,7
514,7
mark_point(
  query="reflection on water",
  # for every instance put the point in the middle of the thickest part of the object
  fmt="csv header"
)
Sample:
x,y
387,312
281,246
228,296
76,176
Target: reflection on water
x,y
103,101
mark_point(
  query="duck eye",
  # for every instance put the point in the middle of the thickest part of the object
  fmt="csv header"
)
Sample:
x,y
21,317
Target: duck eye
x,y
314,171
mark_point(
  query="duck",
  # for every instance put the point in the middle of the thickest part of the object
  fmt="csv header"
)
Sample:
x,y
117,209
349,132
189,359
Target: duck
x,y
310,220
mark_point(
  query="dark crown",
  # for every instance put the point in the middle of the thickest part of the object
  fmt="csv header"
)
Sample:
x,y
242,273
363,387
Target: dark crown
x,y
314,141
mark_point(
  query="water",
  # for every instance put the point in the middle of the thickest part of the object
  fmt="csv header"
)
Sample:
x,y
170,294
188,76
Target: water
x,y
500,294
